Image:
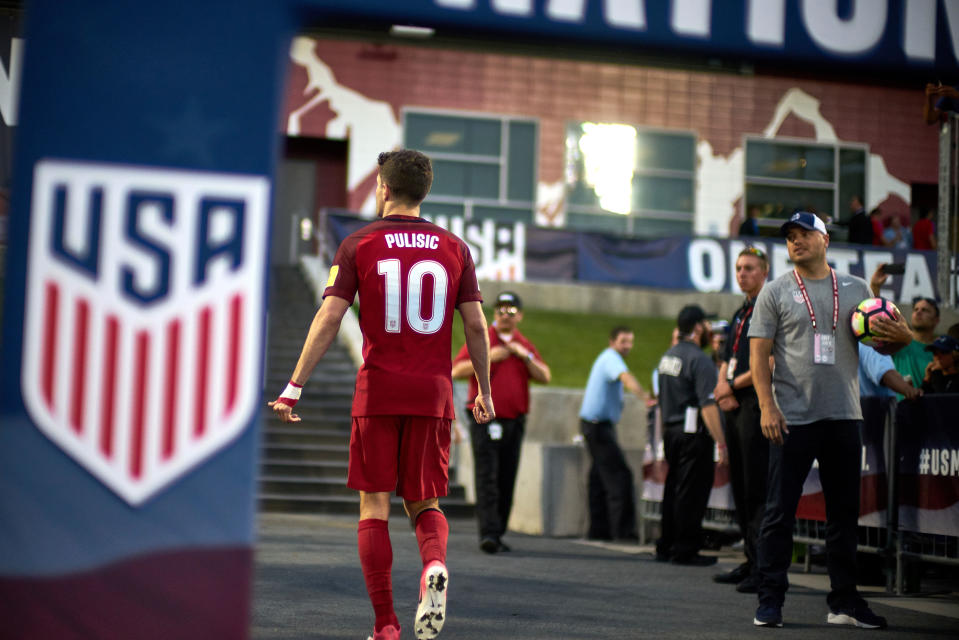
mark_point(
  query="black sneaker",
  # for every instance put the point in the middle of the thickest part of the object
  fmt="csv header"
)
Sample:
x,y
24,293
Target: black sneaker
x,y
504,547
489,544
735,576
768,616
749,585
695,560
860,616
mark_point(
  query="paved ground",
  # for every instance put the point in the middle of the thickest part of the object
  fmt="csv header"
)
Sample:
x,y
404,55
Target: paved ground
x,y
309,585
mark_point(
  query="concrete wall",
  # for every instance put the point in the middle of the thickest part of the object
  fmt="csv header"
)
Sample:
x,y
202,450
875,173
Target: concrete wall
x,y
639,301
550,496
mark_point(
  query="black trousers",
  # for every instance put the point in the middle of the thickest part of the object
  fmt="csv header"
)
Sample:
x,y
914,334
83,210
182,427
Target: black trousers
x,y
495,462
612,499
686,492
837,446
748,453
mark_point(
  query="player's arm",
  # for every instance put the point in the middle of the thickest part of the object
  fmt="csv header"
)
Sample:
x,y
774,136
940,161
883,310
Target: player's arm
x,y
714,425
772,421
477,343
631,384
462,366
538,370
322,331
892,379
723,391
879,277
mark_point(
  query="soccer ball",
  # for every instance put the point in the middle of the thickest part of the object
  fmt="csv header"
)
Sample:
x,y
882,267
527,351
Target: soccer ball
x,y
866,311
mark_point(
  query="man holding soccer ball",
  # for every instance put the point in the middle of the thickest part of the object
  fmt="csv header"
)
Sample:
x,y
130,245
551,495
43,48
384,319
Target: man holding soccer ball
x,y
809,403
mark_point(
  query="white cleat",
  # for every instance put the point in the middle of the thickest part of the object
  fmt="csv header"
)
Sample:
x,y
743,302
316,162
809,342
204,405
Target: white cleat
x,y
431,612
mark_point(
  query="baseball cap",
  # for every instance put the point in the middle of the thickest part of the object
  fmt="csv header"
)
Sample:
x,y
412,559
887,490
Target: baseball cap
x,y
806,220
508,299
944,344
690,316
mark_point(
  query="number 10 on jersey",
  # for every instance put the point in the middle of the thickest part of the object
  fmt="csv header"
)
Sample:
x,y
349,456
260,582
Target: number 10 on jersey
x,y
391,270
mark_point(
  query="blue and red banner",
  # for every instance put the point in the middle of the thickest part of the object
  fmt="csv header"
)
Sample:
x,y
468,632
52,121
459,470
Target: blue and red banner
x,y
513,251
134,317
929,465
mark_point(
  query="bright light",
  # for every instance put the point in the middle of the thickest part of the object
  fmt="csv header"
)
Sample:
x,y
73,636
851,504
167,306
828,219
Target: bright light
x,y
410,31
306,229
609,159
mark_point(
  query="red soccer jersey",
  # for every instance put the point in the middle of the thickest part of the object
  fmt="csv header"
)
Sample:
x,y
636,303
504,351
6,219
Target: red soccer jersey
x,y
410,274
509,378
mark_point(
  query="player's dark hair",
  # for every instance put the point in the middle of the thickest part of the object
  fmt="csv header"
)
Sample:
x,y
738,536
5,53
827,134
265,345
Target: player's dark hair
x,y
617,331
408,174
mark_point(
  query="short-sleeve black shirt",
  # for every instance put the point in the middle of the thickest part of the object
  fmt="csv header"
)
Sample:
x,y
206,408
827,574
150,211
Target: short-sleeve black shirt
x,y
687,377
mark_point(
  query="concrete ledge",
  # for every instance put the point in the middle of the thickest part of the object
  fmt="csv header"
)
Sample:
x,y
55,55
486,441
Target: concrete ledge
x,y
551,489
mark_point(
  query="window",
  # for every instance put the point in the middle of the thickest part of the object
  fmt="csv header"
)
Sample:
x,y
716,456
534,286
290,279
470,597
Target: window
x,y
484,166
785,175
629,180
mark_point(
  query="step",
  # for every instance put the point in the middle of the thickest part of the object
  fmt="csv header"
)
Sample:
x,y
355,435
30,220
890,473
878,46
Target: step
x,y
286,434
349,505
311,452
304,468
277,485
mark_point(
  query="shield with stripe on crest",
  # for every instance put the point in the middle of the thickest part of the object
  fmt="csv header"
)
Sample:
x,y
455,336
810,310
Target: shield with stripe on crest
x,y
144,316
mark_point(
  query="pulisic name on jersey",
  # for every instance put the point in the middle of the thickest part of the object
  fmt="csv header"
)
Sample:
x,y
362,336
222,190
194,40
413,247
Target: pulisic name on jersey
x,y
405,240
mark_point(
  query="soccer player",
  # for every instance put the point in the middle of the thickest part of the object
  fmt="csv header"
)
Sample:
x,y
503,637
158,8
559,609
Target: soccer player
x,y
409,274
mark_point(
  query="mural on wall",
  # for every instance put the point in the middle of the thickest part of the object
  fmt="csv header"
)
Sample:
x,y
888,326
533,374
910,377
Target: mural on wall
x,y
365,114
369,125
720,178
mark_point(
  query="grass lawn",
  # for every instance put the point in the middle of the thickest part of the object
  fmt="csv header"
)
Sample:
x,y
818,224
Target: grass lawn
x,y
570,342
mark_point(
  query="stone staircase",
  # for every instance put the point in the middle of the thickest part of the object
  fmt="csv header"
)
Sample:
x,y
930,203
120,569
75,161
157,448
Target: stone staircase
x,y
303,465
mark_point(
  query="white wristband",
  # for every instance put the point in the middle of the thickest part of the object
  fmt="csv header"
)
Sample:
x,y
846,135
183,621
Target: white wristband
x,y
291,394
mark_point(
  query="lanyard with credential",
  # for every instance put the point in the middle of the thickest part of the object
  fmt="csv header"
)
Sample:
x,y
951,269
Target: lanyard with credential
x,y
742,323
835,300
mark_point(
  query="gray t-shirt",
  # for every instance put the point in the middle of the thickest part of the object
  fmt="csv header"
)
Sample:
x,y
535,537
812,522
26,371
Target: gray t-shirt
x,y
808,392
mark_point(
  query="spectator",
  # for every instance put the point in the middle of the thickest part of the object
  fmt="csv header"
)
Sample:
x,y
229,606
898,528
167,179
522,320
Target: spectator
x,y
912,360
496,446
896,236
612,502
942,374
748,449
924,232
814,415
402,408
691,424
750,226
953,331
939,100
717,344
860,227
875,219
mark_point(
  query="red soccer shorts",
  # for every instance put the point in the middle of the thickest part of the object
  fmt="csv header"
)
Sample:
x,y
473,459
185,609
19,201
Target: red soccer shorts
x,y
410,454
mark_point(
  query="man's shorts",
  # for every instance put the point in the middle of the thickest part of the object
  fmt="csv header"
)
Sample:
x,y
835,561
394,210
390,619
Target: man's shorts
x,y
408,454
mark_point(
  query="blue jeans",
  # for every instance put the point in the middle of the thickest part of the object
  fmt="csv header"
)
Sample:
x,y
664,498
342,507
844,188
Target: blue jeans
x,y
837,446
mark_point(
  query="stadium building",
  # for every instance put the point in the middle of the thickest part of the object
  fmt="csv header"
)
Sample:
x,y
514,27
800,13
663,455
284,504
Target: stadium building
x,y
641,146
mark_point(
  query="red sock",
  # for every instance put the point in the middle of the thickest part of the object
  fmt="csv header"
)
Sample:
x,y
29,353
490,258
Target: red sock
x,y
432,532
376,558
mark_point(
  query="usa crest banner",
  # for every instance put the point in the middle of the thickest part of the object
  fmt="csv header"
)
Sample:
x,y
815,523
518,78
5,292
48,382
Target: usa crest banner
x,y
141,327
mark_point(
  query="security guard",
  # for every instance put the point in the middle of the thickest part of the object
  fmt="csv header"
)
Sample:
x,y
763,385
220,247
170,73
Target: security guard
x,y
687,377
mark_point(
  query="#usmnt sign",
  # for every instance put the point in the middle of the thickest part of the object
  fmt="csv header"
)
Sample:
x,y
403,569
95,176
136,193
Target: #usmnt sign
x,y
144,316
